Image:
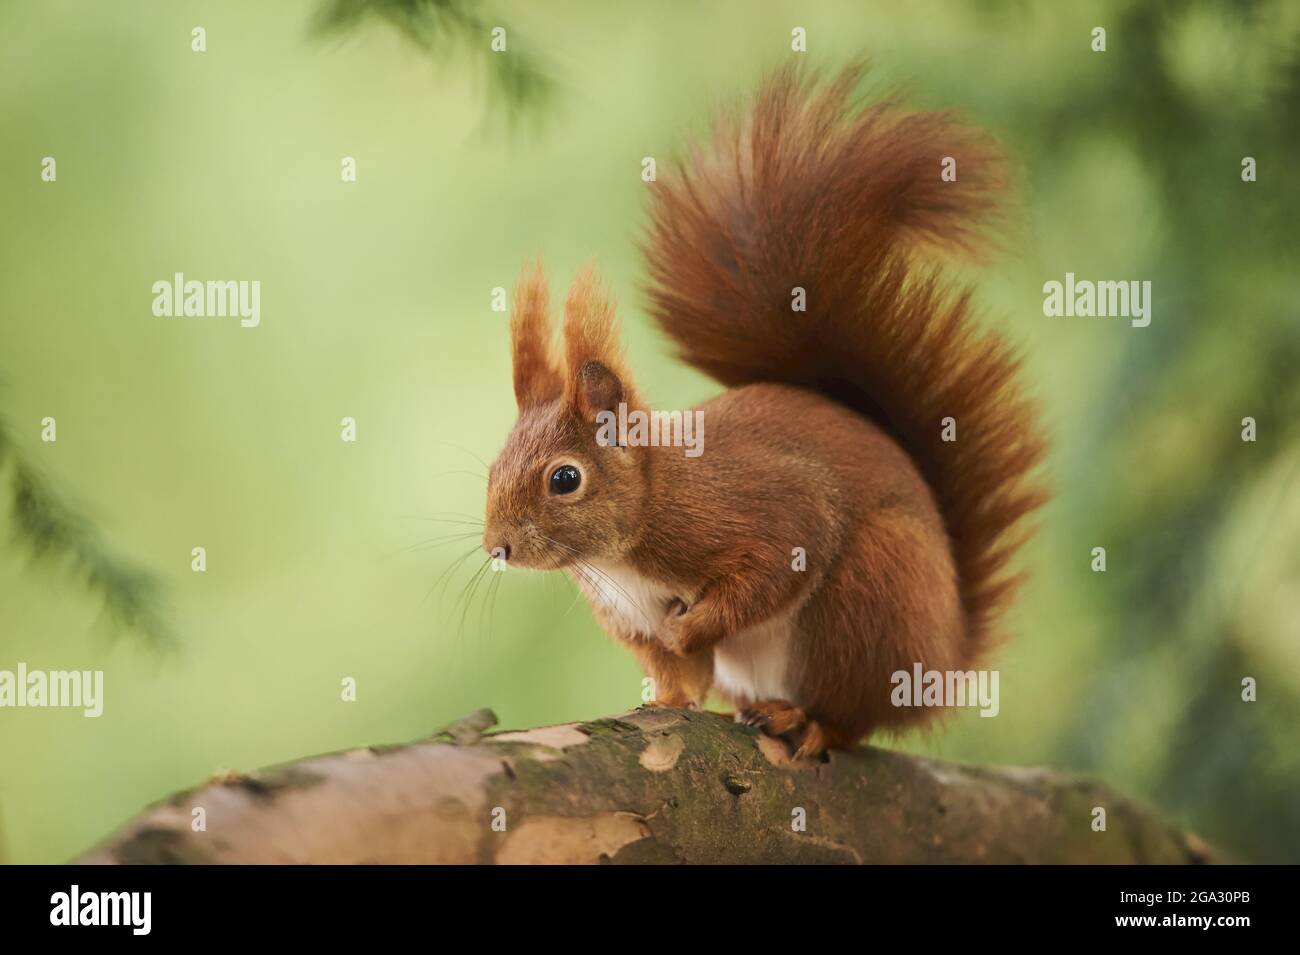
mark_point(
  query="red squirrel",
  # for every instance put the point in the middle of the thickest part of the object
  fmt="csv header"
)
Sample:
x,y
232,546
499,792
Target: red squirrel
x,y
878,429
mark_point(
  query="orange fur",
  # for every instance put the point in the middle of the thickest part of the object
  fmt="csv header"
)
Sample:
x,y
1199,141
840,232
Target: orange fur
x,y
827,439
536,377
590,335
810,193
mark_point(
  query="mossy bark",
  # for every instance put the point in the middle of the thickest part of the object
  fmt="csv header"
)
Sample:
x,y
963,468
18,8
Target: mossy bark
x,y
650,786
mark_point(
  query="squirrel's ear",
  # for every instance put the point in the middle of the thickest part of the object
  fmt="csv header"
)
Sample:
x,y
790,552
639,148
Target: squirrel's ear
x,y
537,378
598,389
596,378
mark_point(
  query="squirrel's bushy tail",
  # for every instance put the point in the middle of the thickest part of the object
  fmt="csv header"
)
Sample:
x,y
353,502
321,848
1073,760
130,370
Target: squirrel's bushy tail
x,y
809,192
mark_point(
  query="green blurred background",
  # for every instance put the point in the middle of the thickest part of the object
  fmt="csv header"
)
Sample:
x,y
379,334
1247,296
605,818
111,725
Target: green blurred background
x,y
176,433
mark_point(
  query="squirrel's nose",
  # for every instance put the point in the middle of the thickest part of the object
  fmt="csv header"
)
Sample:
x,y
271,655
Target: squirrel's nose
x,y
501,550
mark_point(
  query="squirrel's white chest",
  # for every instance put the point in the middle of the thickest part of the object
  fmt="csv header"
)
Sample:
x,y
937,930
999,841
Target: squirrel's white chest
x,y
634,603
747,666
751,665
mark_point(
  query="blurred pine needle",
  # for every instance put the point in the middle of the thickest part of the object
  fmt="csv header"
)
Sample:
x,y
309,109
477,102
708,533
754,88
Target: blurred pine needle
x,y
517,79
51,530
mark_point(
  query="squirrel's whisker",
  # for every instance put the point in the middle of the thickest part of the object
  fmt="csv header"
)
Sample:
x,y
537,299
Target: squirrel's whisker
x,y
444,578
601,576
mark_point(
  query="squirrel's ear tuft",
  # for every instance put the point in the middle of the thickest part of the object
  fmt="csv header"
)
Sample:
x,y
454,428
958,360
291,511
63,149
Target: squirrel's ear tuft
x,y
537,377
596,377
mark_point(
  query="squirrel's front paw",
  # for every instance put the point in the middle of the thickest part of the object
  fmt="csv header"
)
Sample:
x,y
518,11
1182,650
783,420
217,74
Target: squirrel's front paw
x,y
676,608
684,629
671,629
684,703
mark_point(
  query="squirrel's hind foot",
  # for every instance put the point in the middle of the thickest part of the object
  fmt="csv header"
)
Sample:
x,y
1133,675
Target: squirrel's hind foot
x,y
781,717
818,738
774,717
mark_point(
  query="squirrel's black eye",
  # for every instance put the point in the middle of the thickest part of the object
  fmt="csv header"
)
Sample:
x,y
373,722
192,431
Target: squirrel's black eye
x,y
565,479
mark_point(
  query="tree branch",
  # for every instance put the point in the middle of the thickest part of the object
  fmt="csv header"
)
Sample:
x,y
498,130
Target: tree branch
x,y
654,785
